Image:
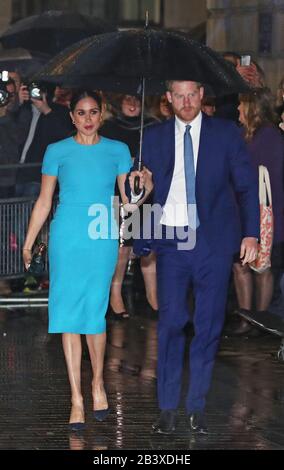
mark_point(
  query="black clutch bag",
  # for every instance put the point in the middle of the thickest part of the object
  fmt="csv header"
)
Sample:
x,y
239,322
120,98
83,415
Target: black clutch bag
x,y
37,265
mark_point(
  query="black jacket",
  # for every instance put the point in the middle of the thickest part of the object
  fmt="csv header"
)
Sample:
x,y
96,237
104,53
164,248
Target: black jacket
x,y
49,129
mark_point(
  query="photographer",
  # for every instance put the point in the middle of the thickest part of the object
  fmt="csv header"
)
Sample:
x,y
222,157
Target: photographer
x,y
9,138
40,122
251,72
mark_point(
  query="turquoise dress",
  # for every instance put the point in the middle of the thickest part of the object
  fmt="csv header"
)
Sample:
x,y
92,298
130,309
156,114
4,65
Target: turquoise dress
x,y
83,242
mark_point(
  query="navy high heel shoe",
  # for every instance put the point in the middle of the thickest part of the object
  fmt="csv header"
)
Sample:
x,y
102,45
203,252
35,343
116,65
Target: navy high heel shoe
x,y
101,415
117,316
76,427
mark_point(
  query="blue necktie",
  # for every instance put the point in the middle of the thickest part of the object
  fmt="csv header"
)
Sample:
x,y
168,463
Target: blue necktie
x,y
189,172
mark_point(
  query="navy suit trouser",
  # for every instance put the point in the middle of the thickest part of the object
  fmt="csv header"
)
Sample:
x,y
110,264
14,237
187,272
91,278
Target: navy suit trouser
x,y
208,274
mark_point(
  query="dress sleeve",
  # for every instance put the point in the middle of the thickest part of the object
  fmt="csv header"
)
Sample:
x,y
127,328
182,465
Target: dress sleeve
x,y
124,160
50,161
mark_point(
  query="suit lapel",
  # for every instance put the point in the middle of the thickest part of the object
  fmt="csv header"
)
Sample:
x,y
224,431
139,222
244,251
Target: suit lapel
x,y
204,145
168,152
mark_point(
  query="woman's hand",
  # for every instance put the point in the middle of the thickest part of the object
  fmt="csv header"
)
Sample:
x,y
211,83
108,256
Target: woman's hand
x,y
250,74
27,257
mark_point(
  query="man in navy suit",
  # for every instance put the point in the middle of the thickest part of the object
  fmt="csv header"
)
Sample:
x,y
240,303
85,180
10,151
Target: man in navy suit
x,y
225,220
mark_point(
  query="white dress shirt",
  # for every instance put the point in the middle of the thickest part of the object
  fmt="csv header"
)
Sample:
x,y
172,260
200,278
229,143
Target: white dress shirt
x,y
175,208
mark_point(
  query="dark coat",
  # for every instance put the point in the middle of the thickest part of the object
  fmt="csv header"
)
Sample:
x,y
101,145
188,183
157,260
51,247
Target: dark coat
x,y
49,129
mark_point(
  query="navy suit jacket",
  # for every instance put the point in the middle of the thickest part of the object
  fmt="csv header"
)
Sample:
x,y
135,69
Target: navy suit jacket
x,y
226,184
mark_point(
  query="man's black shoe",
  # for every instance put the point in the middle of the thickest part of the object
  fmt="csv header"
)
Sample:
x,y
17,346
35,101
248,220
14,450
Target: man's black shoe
x,y
197,423
166,424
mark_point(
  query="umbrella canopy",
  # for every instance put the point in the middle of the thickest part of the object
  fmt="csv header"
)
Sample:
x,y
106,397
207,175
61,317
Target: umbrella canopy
x,y
117,61
21,60
52,31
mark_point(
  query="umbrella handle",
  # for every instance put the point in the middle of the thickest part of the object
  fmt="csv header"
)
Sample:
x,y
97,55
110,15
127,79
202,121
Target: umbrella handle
x,y
137,189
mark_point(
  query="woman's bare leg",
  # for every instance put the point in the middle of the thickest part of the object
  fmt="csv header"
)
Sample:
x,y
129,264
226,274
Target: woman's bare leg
x,y
243,280
264,289
73,354
96,344
116,300
148,268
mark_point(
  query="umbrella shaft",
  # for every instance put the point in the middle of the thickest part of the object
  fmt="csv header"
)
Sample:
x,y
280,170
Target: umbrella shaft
x,y
141,123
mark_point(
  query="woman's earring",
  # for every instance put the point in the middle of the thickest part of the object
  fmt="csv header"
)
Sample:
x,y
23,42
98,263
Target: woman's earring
x,y
73,122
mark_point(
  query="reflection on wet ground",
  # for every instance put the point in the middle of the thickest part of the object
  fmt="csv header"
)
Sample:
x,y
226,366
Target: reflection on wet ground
x,y
245,407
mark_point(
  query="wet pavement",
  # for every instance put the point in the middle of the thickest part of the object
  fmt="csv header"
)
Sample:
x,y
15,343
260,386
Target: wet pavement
x,y
245,406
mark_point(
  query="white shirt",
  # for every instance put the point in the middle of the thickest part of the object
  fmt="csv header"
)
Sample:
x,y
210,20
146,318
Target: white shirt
x,y
175,208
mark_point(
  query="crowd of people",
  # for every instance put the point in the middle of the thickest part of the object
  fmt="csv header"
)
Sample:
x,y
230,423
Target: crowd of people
x,y
88,144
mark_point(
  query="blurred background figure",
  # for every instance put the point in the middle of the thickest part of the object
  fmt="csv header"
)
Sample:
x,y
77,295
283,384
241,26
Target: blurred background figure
x,y
208,105
9,154
15,76
159,107
124,125
227,105
266,147
62,96
41,122
280,103
9,143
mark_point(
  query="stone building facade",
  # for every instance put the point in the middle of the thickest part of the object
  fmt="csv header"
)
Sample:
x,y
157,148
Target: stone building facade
x,y
253,27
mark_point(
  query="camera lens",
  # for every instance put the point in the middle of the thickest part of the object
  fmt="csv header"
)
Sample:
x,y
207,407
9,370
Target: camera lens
x,y
4,96
35,91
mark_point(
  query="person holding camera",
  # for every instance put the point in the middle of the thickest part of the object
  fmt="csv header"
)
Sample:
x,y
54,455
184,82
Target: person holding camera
x,y
40,123
82,252
9,139
251,72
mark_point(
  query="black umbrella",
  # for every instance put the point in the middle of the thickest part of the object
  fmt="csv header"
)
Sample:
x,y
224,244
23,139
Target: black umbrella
x,y
138,62
52,31
21,60
116,62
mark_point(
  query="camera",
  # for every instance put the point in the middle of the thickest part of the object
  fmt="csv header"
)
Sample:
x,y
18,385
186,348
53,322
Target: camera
x,y
245,60
4,93
35,91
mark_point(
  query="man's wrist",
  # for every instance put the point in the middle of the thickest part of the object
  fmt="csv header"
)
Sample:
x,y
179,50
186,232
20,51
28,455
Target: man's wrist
x,y
46,110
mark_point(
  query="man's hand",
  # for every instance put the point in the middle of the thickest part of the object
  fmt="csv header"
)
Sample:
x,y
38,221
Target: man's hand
x,y
248,251
23,94
250,74
42,105
145,180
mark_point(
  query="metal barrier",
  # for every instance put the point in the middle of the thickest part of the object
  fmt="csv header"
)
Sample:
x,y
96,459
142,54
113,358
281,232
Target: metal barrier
x,y
14,219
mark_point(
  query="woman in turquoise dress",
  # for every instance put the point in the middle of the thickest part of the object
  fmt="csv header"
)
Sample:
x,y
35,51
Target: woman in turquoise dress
x,y
83,245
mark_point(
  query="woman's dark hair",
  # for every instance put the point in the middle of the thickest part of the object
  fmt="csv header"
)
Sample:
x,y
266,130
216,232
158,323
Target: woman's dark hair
x,y
81,94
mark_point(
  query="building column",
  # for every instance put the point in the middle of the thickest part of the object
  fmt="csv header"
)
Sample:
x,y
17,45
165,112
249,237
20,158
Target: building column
x,y
254,27
6,15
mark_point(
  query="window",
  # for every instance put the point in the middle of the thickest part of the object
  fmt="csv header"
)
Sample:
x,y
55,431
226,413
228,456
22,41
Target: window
x,y
265,33
132,12
120,12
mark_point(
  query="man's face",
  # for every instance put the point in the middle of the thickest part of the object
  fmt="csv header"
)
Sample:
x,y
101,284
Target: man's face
x,y
185,98
12,95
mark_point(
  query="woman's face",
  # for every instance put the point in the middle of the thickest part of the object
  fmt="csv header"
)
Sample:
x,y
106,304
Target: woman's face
x,y
242,116
87,116
165,107
130,106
